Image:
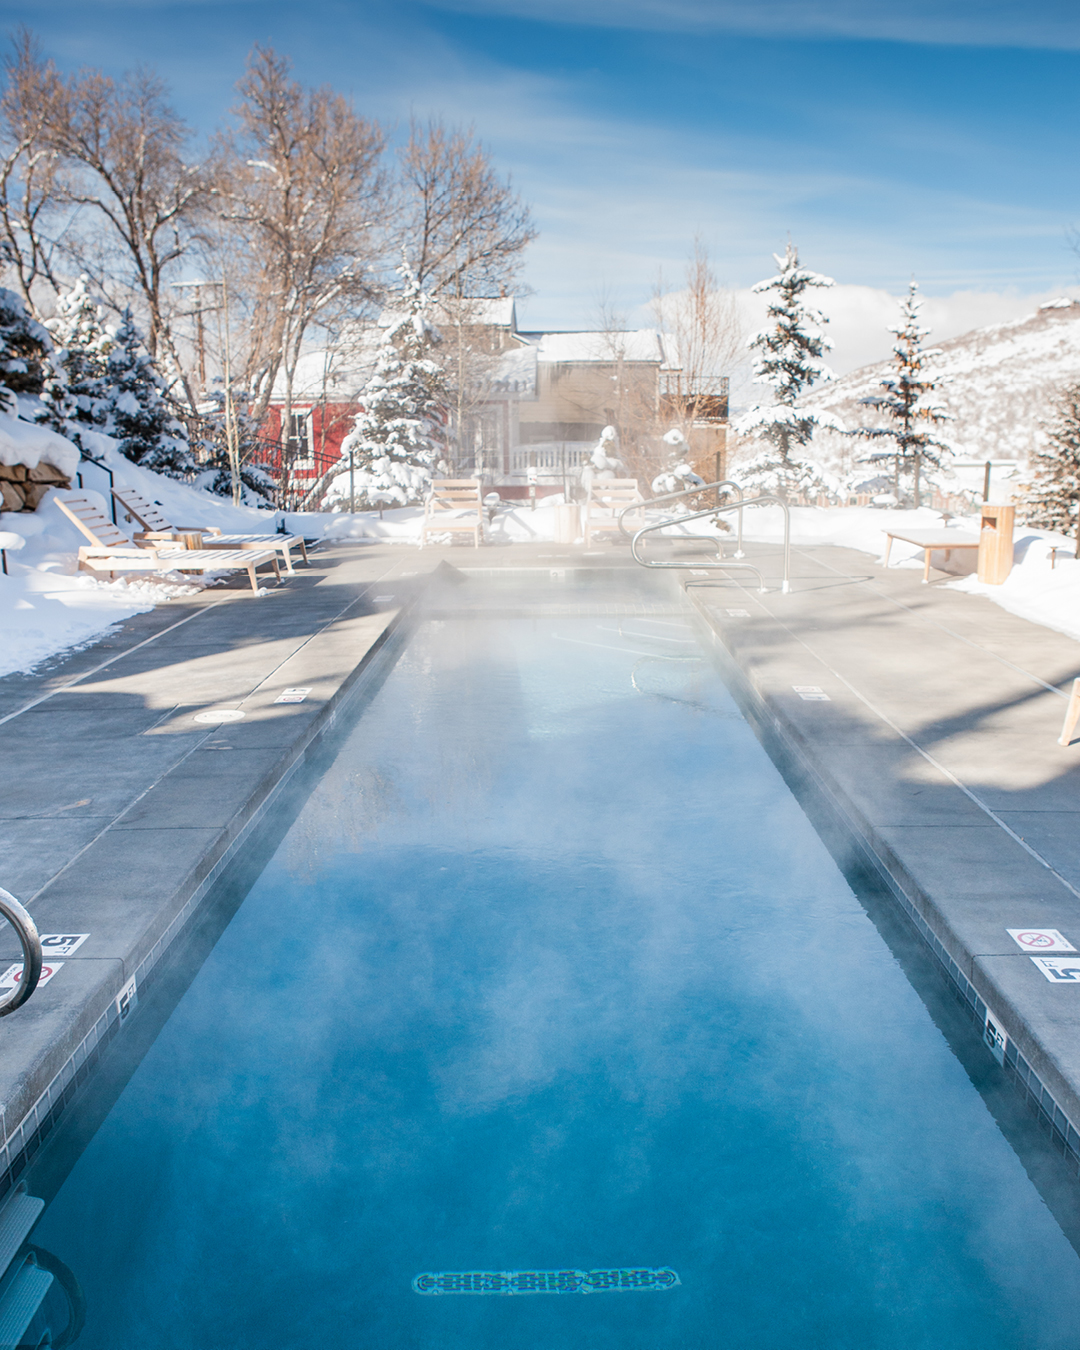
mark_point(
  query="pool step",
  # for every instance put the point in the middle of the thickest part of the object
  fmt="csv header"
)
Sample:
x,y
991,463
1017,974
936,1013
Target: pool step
x,y
23,1283
22,1297
17,1217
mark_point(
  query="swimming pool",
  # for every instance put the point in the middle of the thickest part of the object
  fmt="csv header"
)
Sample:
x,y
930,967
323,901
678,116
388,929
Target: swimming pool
x,y
552,1023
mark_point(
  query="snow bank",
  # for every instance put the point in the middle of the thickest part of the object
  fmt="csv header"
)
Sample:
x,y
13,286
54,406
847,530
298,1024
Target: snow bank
x,y
29,445
1034,590
46,604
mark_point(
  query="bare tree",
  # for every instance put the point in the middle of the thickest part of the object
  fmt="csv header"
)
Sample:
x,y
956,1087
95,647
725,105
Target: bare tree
x,y
112,154
464,228
703,319
30,184
301,192
464,232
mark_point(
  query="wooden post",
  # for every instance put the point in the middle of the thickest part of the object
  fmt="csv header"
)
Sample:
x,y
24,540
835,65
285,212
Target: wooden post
x,y
996,543
1072,715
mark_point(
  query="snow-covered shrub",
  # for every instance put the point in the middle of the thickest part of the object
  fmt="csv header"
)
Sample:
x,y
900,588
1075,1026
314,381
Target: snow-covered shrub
x,y
677,475
767,474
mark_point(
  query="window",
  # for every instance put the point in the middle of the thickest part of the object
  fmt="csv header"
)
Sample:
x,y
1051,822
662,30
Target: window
x,y
298,446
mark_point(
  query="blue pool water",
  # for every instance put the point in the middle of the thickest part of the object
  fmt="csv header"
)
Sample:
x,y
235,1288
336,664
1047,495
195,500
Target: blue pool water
x,y
583,990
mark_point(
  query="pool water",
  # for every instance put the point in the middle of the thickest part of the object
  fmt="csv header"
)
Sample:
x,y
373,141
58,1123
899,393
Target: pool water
x,y
552,974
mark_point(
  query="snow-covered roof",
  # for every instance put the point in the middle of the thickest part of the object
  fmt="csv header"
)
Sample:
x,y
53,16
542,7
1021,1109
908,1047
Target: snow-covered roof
x,y
515,373
332,375
642,345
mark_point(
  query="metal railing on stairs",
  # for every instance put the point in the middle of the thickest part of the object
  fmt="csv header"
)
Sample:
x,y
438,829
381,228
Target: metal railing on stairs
x,y
720,564
27,933
691,492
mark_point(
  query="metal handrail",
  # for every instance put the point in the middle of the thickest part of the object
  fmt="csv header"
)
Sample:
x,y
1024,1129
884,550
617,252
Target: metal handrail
x,y
100,464
688,492
30,942
720,564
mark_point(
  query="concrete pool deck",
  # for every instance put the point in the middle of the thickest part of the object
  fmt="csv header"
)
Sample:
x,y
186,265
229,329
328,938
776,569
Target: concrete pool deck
x,y
118,809
936,748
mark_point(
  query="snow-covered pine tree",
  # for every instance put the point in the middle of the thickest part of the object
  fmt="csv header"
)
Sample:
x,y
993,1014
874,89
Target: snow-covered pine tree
x,y
137,411
789,358
909,401
1053,501
400,434
76,383
24,349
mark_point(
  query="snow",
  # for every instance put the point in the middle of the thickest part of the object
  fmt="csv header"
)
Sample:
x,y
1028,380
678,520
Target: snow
x,y
1033,590
46,605
639,345
23,443
998,385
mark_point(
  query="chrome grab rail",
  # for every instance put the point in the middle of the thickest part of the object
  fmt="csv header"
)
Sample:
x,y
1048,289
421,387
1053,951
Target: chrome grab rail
x,y
27,931
720,564
688,492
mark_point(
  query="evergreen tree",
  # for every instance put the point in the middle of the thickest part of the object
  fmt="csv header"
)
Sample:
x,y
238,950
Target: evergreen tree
x,y
76,382
24,350
137,412
258,486
789,358
909,400
400,434
1053,502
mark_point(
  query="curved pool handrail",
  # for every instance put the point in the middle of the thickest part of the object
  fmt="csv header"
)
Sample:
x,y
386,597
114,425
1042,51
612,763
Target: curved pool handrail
x,y
686,492
721,565
30,942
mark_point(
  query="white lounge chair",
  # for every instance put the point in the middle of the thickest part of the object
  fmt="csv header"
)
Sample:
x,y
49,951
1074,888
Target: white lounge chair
x,y
455,506
607,498
155,526
112,551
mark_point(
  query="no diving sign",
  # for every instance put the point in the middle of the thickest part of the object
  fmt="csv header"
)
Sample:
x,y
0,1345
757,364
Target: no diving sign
x,y
1040,940
13,974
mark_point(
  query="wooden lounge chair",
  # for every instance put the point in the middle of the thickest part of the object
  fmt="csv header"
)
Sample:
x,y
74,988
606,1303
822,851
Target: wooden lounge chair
x,y
149,515
455,506
112,551
607,497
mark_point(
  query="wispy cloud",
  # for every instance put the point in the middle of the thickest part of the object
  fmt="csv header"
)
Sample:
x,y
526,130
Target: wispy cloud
x,y
1002,23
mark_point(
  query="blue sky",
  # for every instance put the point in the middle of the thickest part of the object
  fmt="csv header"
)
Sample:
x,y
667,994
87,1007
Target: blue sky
x,y
931,139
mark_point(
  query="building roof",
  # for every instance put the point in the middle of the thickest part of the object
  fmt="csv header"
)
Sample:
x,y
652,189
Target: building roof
x,y
647,346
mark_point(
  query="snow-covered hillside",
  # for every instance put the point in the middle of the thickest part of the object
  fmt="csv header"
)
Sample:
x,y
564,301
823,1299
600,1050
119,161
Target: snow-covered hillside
x,y
1001,382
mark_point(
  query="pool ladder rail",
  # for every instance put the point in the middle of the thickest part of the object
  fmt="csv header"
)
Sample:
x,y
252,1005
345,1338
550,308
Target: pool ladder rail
x,y
721,564
30,942
28,1275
